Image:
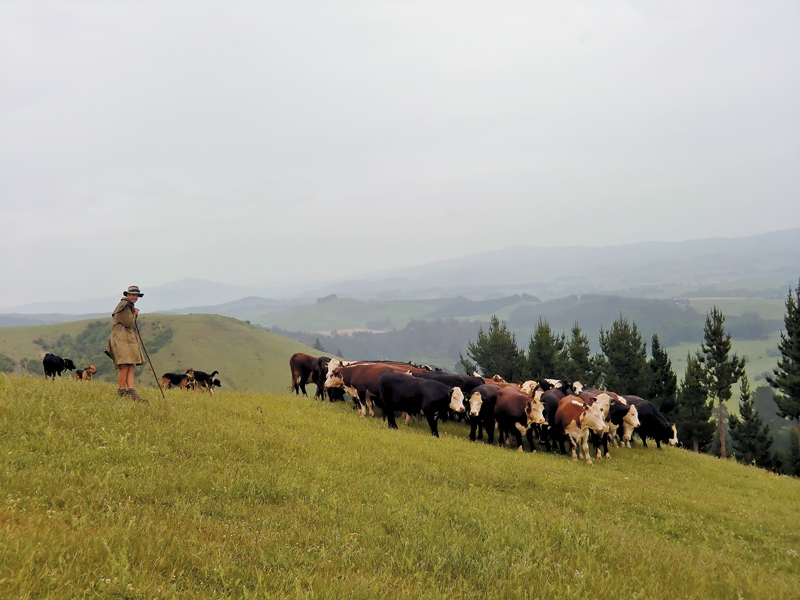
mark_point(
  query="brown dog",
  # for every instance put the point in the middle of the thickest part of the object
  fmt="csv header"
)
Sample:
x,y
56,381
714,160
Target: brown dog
x,y
85,374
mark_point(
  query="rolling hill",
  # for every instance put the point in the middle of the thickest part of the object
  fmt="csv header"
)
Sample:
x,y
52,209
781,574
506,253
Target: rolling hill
x,y
272,496
249,359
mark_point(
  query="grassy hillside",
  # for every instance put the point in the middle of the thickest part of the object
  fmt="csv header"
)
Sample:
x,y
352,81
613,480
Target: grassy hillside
x,y
273,496
247,358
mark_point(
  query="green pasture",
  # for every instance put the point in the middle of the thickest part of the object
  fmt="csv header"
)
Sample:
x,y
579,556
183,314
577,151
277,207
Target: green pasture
x,y
273,496
767,308
761,355
247,358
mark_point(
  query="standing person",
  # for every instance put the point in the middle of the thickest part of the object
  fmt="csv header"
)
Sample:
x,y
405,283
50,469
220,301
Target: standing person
x,y
123,347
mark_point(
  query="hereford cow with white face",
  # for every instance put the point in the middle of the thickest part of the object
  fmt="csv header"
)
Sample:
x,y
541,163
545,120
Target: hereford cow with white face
x,y
576,419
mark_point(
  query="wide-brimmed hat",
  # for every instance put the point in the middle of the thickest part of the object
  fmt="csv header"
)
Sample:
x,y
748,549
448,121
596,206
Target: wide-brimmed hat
x,y
133,289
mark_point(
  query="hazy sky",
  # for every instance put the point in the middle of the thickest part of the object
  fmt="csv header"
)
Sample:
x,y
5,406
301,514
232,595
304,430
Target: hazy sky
x,y
252,143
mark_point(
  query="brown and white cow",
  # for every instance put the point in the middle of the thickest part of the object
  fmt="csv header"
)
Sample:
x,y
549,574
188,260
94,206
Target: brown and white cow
x,y
516,414
575,419
360,380
302,368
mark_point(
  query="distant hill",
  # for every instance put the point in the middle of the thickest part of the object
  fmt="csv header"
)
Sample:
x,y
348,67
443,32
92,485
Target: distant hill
x,y
248,359
763,266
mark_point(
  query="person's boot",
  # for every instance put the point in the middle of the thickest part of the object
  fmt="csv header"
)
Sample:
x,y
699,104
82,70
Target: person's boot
x,y
134,396
122,392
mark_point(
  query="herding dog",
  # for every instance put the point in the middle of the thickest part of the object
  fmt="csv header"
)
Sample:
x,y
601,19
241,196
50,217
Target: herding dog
x,y
181,380
206,380
85,374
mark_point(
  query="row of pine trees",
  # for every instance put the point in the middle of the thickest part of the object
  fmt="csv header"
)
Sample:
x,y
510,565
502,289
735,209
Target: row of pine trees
x,y
697,405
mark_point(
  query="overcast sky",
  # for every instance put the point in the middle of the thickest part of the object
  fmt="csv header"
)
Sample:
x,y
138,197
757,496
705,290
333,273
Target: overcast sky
x,y
254,143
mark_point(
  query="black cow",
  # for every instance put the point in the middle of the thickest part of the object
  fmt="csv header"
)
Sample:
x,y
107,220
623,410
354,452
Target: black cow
x,y
652,424
55,365
319,371
548,432
400,391
466,383
481,403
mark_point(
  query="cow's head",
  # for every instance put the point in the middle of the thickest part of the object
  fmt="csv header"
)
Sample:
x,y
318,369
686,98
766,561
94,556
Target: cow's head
x,y
528,387
630,422
577,388
334,378
498,379
603,401
475,403
457,400
333,363
593,418
534,410
69,365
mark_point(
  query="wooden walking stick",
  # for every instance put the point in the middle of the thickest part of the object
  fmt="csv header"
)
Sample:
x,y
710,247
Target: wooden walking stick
x,y
141,341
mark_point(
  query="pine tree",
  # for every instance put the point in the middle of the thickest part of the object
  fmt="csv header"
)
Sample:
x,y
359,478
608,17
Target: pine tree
x,y
752,440
625,369
694,409
720,369
578,364
318,346
664,382
545,358
786,376
496,352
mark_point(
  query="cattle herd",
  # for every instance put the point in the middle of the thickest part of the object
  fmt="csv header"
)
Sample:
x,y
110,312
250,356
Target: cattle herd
x,y
549,412
190,379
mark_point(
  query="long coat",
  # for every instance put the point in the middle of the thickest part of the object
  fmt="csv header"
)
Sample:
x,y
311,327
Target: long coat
x,y
123,348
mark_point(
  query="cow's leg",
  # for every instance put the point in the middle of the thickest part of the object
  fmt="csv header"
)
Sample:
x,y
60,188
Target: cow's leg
x,y
489,427
605,445
585,446
573,446
369,402
529,435
362,404
516,431
432,422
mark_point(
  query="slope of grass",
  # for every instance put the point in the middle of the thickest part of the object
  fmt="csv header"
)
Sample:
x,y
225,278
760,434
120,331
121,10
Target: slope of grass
x,y
272,496
247,358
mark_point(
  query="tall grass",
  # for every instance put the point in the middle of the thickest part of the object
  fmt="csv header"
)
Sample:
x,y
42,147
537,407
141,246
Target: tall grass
x,y
274,496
